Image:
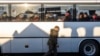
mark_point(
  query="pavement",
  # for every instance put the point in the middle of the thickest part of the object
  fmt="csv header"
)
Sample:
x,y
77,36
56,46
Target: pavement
x,y
65,54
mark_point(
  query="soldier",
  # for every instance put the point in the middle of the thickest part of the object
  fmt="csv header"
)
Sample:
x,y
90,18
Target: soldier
x,y
52,42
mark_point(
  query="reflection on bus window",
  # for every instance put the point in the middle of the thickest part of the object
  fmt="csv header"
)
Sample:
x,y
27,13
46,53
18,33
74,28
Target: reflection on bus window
x,y
4,12
49,12
25,12
57,12
88,12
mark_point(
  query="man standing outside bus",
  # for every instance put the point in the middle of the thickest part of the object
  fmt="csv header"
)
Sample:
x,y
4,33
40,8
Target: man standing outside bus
x,y
52,42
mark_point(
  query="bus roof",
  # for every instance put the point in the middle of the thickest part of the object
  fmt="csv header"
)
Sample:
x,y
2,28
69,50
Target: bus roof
x,y
50,1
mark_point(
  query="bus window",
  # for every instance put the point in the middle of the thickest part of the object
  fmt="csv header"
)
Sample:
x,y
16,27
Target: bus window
x,y
25,12
4,12
96,31
57,12
88,12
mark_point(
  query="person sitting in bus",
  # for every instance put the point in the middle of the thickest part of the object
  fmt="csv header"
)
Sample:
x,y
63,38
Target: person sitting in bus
x,y
19,17
25,18
0,18
86,17
5,17
35,18
98,18
49,17
67,16
60,19
52,42
55,17
94,17
81,17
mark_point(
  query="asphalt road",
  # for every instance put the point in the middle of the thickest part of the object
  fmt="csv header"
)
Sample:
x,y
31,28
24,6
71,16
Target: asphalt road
x,y
65,54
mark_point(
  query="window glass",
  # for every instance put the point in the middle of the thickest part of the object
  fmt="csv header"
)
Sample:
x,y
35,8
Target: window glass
x,y
49,12
57,12
25,12
4,12
88,12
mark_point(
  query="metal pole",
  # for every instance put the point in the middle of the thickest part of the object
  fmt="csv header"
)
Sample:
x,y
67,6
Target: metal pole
x,y
42,12
9,10
74,12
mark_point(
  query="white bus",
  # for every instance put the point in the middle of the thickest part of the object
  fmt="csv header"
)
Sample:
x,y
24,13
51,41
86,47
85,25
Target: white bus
x,y
25,26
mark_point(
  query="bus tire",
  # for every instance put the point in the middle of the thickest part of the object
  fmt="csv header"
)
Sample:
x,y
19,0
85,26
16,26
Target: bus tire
x,y
89,48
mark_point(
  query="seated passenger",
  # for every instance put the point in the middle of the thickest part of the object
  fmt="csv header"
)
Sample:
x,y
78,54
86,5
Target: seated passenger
x,y
25,18
98,18
81,17
19,17
55,17
0,18
35,18
5,17
94,17
49,17
86,17
59,20
10,18
67,16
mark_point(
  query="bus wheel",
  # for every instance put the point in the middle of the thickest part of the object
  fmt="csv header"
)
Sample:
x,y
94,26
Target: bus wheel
x,y
89,48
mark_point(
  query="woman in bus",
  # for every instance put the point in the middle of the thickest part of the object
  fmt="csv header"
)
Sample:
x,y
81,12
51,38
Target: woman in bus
x,y
86,17
35,18
67,16
94,17
19,17
81,17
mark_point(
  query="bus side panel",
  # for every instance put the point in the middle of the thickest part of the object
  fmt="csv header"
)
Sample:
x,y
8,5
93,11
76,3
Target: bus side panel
x,y
67,44
5,44
45,47
64,44
98,39
87,31
26,45
76,43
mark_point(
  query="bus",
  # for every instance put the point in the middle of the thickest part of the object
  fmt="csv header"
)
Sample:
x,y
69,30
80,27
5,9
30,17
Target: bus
x,y
25,26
